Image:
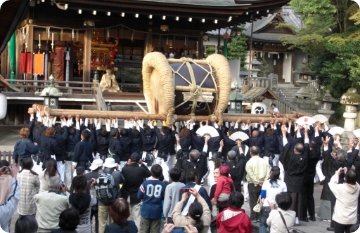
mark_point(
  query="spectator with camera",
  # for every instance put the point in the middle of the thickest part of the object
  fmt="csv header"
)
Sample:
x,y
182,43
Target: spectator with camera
x,y
50,205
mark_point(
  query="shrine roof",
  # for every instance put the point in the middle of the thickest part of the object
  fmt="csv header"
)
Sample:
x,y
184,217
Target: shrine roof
x,y
256,92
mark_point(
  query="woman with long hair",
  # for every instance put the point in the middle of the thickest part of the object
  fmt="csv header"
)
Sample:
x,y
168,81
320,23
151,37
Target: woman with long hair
x,y
269,190
50,171
82,201
199,214
30,183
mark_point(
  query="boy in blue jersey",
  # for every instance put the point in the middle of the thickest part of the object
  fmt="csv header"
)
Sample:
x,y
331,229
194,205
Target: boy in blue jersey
x,y
151,192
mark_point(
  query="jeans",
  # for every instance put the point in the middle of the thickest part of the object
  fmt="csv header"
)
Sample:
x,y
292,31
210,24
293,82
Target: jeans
x,y
264,214
94,213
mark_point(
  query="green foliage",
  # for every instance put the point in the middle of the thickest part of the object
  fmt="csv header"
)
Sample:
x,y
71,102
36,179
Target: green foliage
x,y
331,37
210,50
237,48
264,68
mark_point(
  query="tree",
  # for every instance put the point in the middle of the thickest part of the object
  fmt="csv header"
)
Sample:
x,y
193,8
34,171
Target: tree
x,y
331,36
237,48
264,68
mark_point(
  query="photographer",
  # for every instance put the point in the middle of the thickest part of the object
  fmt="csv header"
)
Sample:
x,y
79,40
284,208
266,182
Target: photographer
x,y
50,205
346,194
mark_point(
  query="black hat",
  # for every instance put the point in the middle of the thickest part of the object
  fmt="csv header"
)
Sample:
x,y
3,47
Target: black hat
x,y
135,157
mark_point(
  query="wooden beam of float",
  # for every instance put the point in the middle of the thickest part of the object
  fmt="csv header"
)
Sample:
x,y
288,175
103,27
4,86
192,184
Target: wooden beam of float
x,y
141,115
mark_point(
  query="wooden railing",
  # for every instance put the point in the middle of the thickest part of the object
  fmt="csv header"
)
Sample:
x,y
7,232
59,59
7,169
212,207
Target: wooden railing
x,y
33,85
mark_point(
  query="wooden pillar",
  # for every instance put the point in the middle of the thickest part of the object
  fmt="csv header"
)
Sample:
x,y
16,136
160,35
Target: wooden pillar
x,y
218,45
4,62
30,46
148,43
87,55
201,48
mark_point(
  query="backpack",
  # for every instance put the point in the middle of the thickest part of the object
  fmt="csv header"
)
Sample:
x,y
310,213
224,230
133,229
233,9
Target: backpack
x,y
105,188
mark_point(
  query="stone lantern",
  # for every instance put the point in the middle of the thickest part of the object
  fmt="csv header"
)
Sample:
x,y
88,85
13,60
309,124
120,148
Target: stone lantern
x,y
305,74
51,94
326,104
255,67
350,99
236,99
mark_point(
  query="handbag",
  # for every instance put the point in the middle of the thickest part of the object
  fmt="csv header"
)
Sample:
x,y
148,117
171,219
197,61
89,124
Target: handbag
x,y
257,208
282,217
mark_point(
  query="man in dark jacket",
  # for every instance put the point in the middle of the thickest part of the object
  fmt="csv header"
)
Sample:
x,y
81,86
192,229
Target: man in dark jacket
x,y
83,151
114,145
308,188
134,173
72,139
295,163
102,137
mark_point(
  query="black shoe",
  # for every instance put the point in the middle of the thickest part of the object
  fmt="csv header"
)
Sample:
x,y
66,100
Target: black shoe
x,y
304,219
330,229
312,218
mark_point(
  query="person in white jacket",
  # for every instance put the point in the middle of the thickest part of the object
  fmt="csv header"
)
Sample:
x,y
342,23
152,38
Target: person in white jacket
x,y
346,194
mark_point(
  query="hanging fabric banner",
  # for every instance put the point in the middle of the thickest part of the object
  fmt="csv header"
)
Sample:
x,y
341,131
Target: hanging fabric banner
x,y
12,56
25,62
58,63
225,48
39,63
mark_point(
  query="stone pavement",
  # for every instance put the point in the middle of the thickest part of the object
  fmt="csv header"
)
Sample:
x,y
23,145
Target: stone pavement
x,y
9,136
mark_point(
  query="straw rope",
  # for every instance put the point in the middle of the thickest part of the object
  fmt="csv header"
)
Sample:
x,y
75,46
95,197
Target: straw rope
x,y
159,87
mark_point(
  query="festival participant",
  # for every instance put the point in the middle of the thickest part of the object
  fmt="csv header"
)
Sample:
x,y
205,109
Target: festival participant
x,y
332,162
110,167
49,145
192,178
102,137
24,147
347,195
134,172
50,205
282,218
68,221
108,82
45,175
136,142
164,144
257,170
26,224
197,214
172,194
269,190
115,148
308,189
295,163
125,140
151,192
30,183
83,151
233,218
61,136
72,140
10,191
197,161
120,212
82,201
148,138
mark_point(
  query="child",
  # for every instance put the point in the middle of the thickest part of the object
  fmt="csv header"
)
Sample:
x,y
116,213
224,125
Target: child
x,y
224,185
152,193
